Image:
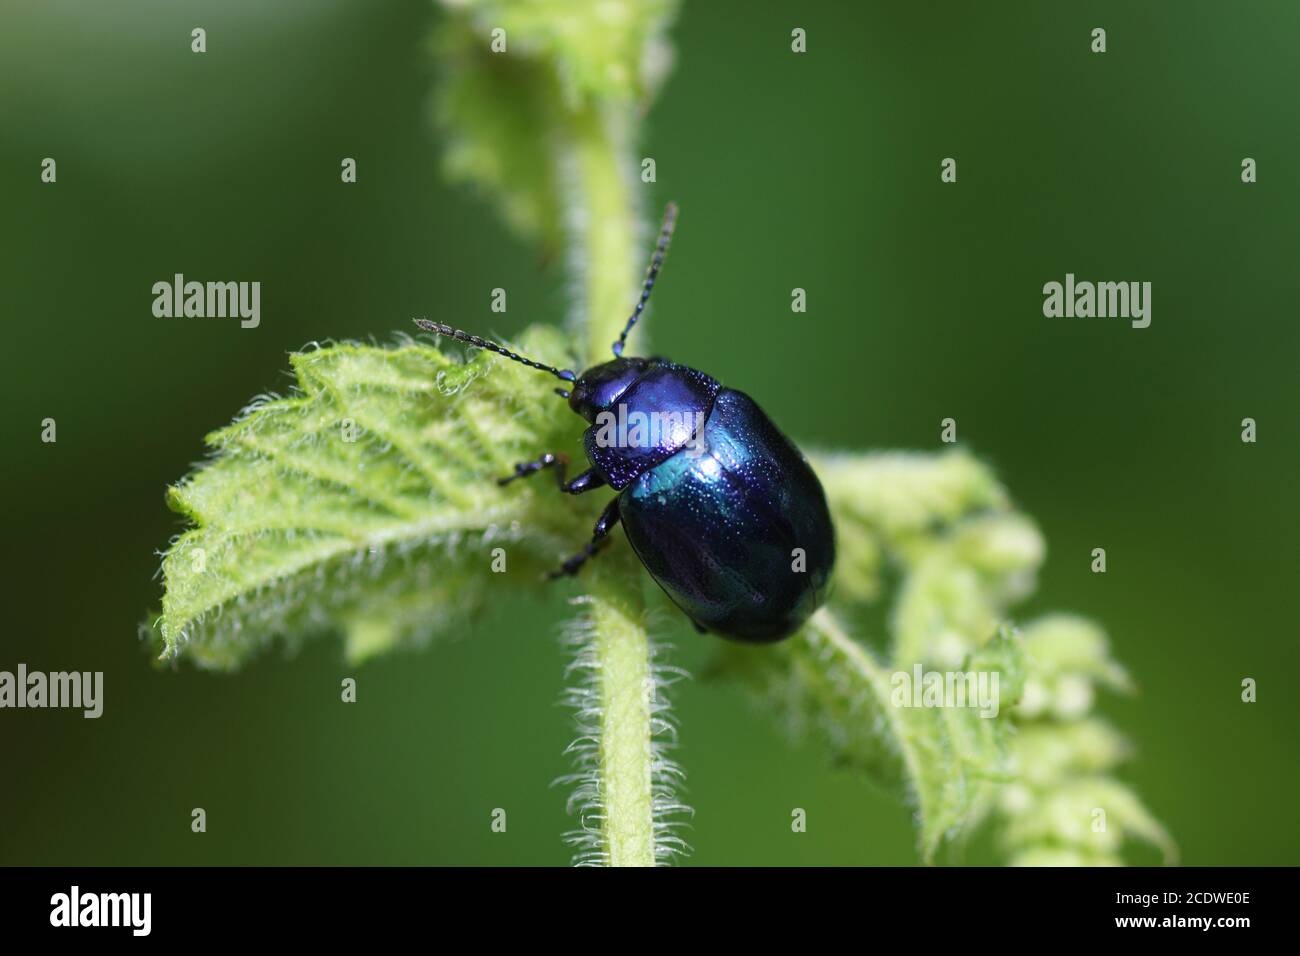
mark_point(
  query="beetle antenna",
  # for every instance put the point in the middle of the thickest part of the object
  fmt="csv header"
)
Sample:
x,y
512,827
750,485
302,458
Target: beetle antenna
x,y
651,273
437,327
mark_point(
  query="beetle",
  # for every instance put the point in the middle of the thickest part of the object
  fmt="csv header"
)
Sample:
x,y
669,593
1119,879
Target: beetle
x,y
720,507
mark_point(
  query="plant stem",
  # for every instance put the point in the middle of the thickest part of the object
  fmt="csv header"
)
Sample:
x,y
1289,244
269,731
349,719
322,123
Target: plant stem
x,y
606,225
626,753
605,235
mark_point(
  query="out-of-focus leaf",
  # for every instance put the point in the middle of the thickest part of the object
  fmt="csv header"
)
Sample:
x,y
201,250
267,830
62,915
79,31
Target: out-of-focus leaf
x,y
939,535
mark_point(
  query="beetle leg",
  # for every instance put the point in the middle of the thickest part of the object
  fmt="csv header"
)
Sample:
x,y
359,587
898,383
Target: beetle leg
x,y
560,462
608,518
587,481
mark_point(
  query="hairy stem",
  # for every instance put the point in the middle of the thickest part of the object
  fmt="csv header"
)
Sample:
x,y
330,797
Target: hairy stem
x,y
605,239
625,687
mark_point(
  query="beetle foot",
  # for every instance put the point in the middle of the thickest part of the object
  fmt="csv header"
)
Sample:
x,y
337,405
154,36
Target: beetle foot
x,y
524,469
573,565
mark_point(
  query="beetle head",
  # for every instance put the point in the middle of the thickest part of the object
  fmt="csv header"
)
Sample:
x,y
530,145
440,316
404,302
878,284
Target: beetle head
x,y
599,388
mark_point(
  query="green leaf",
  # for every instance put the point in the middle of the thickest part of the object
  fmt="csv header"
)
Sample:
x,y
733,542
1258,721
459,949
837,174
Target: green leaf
x,y
942,532
1065,807
598,48
508,116
944,762
385,538
498,114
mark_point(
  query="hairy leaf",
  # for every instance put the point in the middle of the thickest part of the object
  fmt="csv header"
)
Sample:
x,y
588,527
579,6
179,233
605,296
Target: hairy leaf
x,y
942,532
599,48
498,115
366,502
508,113
943,761
1065,807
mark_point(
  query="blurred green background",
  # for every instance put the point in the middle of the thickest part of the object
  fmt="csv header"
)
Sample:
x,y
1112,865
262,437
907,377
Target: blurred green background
x,y
819,171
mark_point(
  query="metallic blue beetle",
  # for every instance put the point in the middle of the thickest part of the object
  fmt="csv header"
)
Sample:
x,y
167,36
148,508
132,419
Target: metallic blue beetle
x,y
721,508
